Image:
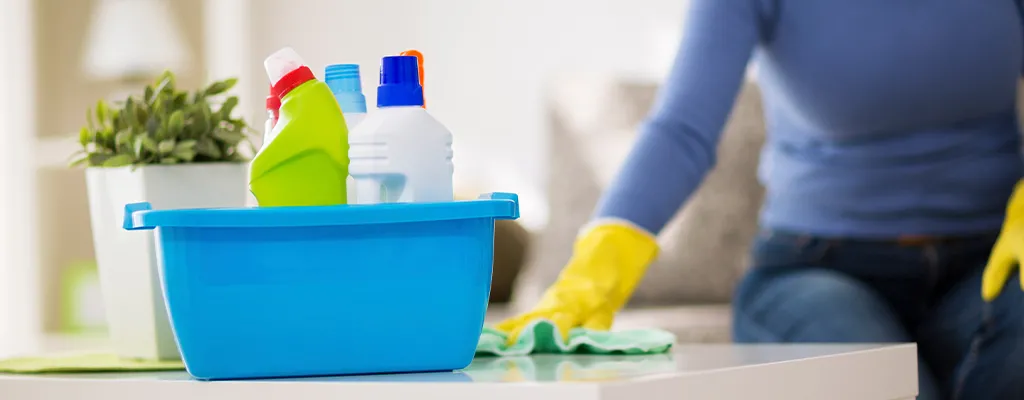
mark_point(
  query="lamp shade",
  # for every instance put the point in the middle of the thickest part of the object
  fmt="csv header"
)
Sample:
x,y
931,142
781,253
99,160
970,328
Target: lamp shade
x,y
131,38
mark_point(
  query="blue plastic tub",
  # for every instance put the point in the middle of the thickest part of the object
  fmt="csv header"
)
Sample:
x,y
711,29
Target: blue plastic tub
x,y
336,290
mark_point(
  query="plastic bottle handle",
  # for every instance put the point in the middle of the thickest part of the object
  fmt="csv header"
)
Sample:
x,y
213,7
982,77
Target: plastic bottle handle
x,y
419,63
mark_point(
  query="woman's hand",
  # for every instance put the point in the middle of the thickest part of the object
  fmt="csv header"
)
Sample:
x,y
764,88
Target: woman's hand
x,y
608,262
1008,252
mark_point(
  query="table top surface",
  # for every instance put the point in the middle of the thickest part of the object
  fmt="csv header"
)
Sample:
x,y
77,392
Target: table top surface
x,y
853,367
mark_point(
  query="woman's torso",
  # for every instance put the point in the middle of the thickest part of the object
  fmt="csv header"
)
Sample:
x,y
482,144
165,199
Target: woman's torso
x,y
889,117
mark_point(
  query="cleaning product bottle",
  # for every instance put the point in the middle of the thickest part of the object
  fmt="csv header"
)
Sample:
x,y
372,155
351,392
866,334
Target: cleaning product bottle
x,y
305,163
400,153
343,79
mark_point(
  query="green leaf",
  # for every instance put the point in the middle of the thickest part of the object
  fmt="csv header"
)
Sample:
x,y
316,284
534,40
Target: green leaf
x,y
158,104
227,107
89,122
101,113
230,137
116,122
176,123
167,103
166,146
207,147
152,125
186,145
238,123
161,133
85,136
145,148
148,96
123,138
180,101
184,154
165,82
78,159
221,87
141,115
169,160
107,135
185,150
137,146
149,144
214,122
97,159
127,116
119,160
200,119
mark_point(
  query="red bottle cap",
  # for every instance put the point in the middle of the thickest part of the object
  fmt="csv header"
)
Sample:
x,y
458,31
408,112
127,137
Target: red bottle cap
x,y
291,81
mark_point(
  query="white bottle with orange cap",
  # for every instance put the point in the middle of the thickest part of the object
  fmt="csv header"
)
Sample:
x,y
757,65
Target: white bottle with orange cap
x,y
400,153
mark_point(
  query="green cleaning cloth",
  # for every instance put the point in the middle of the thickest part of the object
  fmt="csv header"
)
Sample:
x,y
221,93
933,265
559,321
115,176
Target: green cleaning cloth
x,y
541,337
84,362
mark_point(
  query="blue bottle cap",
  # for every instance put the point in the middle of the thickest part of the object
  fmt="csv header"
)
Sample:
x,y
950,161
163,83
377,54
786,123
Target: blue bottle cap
x,y
343,79
399,82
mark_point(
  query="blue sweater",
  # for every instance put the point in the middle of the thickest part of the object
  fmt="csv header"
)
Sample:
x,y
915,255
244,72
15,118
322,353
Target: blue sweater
x,y
884,117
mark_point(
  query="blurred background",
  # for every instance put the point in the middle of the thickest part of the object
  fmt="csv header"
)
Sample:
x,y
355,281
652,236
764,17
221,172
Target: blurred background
x,y
490,70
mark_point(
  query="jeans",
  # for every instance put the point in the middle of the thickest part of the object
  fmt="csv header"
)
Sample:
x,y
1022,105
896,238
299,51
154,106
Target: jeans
x,y
804,289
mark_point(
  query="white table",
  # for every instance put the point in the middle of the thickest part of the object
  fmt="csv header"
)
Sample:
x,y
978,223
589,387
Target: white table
x,y
790,372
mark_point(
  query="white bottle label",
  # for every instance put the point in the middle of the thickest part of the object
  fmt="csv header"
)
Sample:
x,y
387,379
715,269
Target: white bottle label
x,y
400,155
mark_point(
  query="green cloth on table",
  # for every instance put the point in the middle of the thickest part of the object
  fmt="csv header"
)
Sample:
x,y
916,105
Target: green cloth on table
x,y
84,362
541,337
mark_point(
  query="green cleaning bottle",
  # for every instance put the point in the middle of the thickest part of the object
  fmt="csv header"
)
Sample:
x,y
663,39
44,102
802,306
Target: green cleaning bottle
x,y
304,160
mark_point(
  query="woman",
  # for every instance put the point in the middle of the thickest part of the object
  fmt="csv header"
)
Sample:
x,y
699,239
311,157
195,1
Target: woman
x,y
892,152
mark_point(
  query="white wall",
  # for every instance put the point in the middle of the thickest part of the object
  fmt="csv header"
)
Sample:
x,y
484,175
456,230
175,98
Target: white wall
x,y
487,63
20,312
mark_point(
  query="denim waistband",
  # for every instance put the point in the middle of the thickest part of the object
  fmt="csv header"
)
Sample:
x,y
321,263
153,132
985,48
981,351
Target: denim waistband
x,y
785,236
946,256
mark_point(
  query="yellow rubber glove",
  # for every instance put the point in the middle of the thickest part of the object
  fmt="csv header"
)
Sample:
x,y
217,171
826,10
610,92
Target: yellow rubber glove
x,y
608,261
1008,252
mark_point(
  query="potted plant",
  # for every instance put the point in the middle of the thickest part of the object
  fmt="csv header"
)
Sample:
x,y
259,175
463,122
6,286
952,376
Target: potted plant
x,y
173,149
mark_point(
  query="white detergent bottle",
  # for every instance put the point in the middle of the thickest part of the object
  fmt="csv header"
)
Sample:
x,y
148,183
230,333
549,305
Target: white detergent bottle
x,y
400,153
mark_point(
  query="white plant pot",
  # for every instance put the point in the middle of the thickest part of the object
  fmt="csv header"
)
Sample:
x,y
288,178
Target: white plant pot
x,y
128,270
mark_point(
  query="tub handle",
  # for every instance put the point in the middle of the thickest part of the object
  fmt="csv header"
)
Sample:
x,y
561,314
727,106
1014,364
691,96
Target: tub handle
x,y
512,198
132,216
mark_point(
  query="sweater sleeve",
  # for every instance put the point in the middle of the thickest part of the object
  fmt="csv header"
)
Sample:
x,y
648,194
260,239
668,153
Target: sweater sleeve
x,y
678,141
